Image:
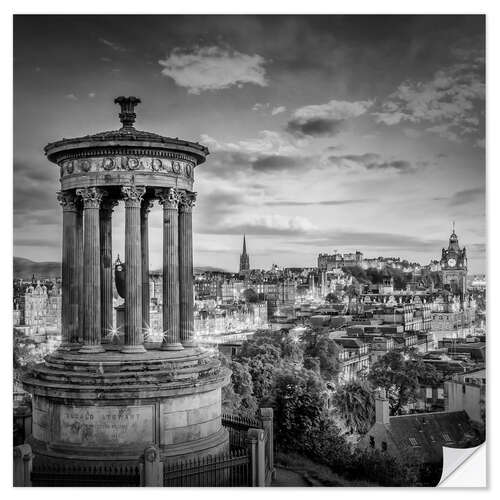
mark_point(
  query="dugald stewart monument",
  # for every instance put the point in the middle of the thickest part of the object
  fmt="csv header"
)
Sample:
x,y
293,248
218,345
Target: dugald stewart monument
x,y
100,402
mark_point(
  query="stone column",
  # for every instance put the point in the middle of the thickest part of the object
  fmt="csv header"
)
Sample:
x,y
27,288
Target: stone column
x,y
69,313
146,299
169,198
79,271
186,268
105,235
91,270
134,337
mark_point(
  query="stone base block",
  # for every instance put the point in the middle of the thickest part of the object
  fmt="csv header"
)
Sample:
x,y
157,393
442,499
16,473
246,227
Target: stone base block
x,y
108,407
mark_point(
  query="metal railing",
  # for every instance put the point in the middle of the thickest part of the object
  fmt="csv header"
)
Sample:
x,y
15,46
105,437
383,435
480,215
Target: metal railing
x,y
227,470
50,474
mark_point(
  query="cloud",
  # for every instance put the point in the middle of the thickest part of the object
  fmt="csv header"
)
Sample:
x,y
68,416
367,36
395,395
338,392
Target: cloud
x,y
268,153
213,68
371,161
277,110
113,45
91,95
480,143
261,107
467,196
71,97
366,239
270,163
412,133
320,120
319,202
451,103
265,225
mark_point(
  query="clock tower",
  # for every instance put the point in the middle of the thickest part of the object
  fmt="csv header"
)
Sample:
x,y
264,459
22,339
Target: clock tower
x,y
454,266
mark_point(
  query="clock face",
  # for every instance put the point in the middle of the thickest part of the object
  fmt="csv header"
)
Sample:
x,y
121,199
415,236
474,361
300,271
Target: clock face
x,y
452,262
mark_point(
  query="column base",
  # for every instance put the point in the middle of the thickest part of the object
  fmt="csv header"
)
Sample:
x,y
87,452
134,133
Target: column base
x,y
189,344
91,349
133,349
69,346
172,347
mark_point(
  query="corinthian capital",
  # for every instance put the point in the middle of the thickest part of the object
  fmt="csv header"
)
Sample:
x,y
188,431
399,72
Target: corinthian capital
x,y
133,195
187,201
92,196
68,201
168,197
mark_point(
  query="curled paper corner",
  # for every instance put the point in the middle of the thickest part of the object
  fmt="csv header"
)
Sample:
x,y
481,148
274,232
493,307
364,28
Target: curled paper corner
x,y
464,467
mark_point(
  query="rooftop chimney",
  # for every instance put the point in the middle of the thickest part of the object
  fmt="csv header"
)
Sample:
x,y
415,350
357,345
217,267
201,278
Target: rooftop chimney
x,y
381,408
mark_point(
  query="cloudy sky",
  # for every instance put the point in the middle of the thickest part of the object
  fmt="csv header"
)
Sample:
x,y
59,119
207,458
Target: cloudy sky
x,y
326,132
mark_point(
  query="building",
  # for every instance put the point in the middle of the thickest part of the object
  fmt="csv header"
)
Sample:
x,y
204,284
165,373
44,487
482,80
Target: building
x,y
244,258
418,438
467,391
454,267
38,308
329,262
353,358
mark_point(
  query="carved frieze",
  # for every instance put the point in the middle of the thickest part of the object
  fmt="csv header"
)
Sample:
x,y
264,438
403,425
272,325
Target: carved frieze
x,y
121,163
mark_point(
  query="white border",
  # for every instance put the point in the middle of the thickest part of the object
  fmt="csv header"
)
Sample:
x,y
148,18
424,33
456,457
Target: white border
x,y
262,7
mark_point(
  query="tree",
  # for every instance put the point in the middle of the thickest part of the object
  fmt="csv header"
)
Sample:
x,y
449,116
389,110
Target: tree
x,y
318,345
357,272
250,296
354,403
402,378
267,350
332,298
237,396
299,399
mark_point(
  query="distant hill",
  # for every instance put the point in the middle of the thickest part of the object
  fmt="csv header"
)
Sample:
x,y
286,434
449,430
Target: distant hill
x,y
209,269
25,268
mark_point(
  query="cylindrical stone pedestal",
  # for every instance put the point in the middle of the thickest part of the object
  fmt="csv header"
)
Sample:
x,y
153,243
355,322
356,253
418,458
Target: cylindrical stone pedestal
x,y
169,399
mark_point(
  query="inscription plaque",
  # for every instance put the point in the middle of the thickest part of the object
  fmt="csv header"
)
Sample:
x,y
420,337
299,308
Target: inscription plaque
x,y
107,425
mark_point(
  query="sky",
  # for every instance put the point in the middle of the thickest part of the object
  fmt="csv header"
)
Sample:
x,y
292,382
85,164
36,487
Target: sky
x,y
326,133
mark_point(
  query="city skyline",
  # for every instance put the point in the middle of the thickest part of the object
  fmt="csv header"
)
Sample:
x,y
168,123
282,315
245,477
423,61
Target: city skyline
x,y
373,141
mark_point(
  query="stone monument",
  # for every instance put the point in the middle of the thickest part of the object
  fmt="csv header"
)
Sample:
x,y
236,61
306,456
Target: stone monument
x,y
95,401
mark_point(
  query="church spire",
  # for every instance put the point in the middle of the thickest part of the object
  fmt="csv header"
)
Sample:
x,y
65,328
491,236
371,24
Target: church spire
x,y
244,258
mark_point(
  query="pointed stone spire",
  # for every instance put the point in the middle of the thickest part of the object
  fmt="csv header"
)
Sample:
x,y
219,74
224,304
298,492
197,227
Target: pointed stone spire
x,y
244,258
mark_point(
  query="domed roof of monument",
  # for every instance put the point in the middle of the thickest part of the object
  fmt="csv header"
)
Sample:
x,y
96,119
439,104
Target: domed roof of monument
x,y
126,135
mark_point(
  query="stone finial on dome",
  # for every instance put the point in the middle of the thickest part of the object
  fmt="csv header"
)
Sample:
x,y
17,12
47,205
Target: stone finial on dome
x,y
127,115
